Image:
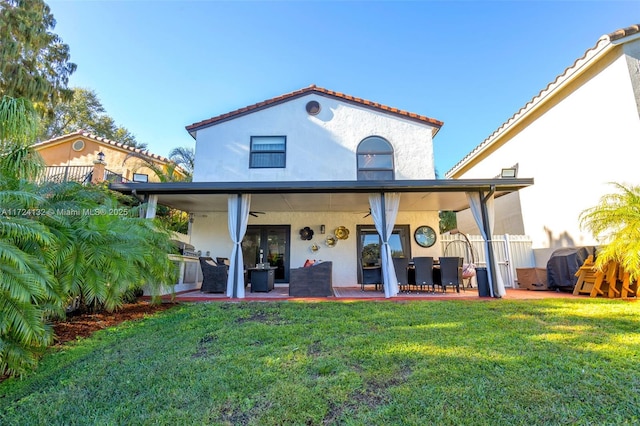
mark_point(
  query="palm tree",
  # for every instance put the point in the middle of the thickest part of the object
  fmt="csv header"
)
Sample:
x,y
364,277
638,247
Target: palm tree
x,y
107,251
62,241
28,291
615,222
185,157
170,172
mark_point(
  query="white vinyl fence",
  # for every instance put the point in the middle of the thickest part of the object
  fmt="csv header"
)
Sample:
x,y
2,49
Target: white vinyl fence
x,y
512,251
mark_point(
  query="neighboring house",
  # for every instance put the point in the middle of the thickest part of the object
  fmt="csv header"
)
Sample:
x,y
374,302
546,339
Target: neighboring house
x,y
578,134
72,157
303,172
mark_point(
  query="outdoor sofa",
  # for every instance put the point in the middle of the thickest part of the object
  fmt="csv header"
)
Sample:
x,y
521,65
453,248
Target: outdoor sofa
x,y
311,281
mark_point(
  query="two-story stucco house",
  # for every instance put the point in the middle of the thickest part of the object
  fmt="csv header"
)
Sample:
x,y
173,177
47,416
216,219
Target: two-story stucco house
x,y
576,136
309,175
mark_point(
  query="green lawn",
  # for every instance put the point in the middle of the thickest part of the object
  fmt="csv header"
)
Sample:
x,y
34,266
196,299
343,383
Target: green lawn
x,y
554,361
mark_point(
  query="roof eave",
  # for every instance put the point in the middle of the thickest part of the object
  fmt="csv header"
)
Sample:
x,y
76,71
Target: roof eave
x,y
431,185
580,65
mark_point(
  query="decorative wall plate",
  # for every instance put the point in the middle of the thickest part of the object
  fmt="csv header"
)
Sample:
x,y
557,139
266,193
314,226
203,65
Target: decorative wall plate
x,y
342,233
306,233
331,241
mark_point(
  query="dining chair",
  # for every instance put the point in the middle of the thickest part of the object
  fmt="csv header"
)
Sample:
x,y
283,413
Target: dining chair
x,y
424,272
371,275
450,272
401,265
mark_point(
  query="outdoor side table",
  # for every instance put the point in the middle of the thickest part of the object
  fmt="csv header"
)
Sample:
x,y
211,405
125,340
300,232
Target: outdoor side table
x,y
262,279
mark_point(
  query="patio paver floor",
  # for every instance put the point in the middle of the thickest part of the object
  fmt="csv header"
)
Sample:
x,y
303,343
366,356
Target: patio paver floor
x,y
281,292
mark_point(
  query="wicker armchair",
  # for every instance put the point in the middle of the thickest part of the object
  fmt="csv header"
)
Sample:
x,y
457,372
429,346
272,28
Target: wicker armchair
x,y
312,281
214,276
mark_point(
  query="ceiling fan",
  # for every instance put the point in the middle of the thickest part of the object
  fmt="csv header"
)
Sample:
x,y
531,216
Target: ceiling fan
x,y
255,214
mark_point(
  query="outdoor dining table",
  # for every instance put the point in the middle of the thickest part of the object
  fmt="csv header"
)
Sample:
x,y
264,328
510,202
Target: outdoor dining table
x,y
411,273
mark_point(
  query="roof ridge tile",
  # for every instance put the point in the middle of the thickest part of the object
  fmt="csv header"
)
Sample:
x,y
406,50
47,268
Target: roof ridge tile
x,y
311,89
89,135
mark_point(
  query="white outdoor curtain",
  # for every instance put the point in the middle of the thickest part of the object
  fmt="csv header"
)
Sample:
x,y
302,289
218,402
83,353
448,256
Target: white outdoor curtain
x,y
238,217
152,206
476,209
384,209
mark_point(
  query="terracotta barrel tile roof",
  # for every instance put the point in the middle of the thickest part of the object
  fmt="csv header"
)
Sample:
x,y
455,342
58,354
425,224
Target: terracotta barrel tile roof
x,y
624,32
318,90
96,138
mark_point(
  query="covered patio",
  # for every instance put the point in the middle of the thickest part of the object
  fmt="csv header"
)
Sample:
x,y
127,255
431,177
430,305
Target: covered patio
x,y
384,199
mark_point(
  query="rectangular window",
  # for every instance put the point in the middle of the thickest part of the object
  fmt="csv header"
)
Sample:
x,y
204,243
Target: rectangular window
x,y
268,152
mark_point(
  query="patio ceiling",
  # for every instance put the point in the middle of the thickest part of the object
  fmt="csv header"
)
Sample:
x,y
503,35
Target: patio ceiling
x,y
337,196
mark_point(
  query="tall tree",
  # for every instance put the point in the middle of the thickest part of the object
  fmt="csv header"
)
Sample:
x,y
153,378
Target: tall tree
x,y
615,222
34,62
85,111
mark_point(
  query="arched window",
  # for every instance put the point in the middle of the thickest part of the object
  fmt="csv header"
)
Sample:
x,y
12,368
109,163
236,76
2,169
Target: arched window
x,y
375,159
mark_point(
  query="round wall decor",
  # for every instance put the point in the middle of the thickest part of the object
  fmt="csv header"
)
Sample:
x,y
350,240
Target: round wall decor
x,y
78,145
425,236
331,241
306,233
313,107
342,233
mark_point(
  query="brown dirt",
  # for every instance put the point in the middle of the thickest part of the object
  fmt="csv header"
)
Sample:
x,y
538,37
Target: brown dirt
x,y
83,324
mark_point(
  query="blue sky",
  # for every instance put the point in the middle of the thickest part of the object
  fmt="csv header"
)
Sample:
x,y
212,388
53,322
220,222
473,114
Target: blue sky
x,y
158,66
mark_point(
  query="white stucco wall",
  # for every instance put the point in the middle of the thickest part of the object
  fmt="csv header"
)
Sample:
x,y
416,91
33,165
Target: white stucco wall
x,y
320,147
508,217
210,233
589,138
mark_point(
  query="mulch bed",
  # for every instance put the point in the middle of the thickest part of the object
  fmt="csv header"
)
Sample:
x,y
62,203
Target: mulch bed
x,y
84,324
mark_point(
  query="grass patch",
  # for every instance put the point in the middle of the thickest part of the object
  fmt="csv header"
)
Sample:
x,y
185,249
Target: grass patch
x,y
554,361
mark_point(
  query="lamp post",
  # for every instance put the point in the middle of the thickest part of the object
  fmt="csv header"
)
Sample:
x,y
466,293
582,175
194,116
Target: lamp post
x,y
98,173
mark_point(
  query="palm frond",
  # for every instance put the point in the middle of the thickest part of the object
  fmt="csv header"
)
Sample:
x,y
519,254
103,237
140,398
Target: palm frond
x,y
18,121
615,222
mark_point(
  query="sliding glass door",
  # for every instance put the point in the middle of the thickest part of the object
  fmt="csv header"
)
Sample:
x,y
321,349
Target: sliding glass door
x,y
268,243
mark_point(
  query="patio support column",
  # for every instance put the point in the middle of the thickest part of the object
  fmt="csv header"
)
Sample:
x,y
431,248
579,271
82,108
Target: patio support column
x,y
489,247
